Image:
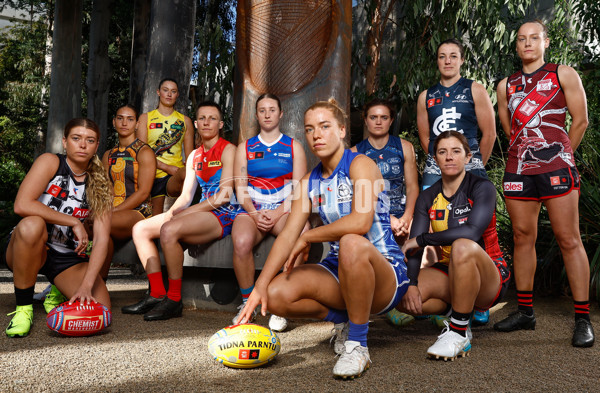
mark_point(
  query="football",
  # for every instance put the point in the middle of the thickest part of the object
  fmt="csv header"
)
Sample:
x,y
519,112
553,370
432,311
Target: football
x,y
244,346
79,320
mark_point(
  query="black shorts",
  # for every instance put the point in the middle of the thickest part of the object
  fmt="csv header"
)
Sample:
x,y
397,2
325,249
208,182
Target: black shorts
x,y
159,188
543,186
503,271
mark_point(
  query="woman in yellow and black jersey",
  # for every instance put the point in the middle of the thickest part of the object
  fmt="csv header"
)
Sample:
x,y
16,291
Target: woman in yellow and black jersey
x,y
471,274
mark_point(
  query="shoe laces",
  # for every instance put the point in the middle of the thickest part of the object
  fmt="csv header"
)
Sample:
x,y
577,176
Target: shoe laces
x,y
20,311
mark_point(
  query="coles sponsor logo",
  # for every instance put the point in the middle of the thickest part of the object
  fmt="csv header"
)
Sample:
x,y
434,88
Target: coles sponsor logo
x,y
434,101
79,324
247,354
513,186
318,200
155,125
515,89
558,180
256,155
437,214
81,213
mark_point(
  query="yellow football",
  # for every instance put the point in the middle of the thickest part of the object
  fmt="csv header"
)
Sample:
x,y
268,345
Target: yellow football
x,y
244,346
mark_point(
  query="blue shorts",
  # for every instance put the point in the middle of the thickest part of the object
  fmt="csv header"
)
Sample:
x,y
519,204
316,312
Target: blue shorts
x,y
330,263
225,214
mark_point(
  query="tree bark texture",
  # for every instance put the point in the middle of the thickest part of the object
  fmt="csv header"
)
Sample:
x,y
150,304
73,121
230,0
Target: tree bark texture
x,y
65,80
139,51
170,50
99,69
300,51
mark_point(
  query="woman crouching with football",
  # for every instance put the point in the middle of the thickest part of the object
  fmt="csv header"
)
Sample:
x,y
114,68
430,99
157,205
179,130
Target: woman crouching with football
x,y
364,272
58,194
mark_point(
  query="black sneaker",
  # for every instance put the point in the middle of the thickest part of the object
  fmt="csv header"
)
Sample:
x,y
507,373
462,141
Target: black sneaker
x,y
143,306
516,321
583,334
166,309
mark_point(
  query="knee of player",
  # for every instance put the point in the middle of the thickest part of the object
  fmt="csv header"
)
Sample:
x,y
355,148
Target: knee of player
x,y
168,233
568,240
277,297
463,251
139,231
242,244
523,235
32,229
353,249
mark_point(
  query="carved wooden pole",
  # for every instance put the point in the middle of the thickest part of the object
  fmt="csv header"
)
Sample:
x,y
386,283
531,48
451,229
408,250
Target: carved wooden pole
x,y
299,50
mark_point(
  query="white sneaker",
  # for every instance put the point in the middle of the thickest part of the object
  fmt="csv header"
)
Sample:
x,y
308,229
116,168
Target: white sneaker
x,y
240,308
277,323
449,345
353,361
339,335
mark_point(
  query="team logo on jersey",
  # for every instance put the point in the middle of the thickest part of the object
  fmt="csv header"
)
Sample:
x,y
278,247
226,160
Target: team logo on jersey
x,y
256,155
437,214
515,89
558,180
446,121
434,101
544,85
528,107
155,125
344,193
212,164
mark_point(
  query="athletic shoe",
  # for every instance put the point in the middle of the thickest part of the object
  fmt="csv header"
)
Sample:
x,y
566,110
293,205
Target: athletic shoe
x,y
583,335
53,299
480,318
237,316
21,323
40,297
399,319
439,320
516,321
353,361
339,335
143,306
166,309
277,323
449,345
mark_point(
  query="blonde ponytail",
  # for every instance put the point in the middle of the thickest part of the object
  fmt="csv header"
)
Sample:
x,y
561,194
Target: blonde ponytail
x,y
99,192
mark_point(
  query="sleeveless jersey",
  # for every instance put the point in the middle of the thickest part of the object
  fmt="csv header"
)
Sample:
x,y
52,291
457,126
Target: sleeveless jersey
x,y
538,139
458,216
208,167
123,168
453,108
270,169
165,137
332,199
390,160
65,195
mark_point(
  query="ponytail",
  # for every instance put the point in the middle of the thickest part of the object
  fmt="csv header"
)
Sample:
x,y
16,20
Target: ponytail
x,y
99,192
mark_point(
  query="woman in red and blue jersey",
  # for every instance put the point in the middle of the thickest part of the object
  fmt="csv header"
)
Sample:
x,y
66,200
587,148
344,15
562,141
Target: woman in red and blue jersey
x,y
210,166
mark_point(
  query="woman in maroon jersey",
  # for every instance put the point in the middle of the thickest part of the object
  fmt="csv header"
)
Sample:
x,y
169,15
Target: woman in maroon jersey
x,y
532,105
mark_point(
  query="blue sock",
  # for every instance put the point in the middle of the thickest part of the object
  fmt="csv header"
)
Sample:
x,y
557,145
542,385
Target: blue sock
x,y
358,332
337,316
246,293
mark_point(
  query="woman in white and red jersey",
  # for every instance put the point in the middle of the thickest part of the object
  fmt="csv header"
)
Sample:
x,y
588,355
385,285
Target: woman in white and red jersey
x,y
532,105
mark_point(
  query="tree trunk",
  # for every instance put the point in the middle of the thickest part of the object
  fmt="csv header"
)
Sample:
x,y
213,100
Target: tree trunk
x,y
99,69
139,51
43,112
171,48
65,81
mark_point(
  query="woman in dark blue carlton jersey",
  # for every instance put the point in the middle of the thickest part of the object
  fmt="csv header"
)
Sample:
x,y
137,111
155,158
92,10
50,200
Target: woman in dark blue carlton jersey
x,y
471,273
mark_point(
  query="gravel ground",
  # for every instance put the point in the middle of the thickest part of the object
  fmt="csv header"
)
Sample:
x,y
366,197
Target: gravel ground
x,y
167,356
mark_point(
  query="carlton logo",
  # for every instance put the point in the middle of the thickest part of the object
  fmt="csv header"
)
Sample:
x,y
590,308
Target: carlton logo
x,y
83,324
513,186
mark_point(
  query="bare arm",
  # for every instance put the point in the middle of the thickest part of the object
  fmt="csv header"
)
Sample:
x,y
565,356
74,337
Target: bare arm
x,y
188,138
187,191
503,113
576,103
423,121
141,130
485,120
411,178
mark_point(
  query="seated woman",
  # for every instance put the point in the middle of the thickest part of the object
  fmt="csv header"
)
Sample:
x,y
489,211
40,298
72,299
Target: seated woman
x,y
211,167
471,274
364,272
396,160
131,166
59,193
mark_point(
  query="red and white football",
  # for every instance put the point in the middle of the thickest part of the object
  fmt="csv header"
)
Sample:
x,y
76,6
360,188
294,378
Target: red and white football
x,y
79,320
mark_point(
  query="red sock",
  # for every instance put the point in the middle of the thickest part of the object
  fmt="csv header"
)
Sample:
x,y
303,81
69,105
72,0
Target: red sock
x,y
157,288
174,290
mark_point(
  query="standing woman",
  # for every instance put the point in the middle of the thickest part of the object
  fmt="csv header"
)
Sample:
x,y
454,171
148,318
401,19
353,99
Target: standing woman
x,y
532,104
395,158
471,274
58,194
266,167
171,135
364,272
459,104
131,166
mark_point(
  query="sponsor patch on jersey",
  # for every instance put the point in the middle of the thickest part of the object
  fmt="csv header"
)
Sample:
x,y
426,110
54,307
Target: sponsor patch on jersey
x,y
461,211
461,97
513,186
155,125
54,190
318,200
344,193
434,101
515,89
256,155
528,107
558,180
199,166
437,214
212,164
544,85
81,213
285,155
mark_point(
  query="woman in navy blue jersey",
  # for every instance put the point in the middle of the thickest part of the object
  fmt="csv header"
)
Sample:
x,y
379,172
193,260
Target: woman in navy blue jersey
x,y
364,272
